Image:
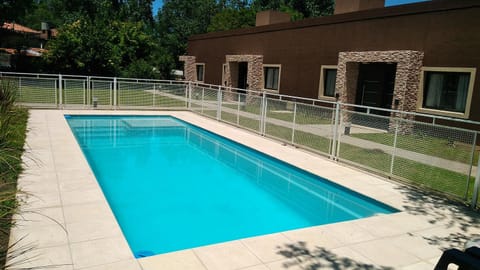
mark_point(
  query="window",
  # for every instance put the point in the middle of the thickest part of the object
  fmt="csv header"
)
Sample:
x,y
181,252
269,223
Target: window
x,y
447,90
200,69
271,79
328,77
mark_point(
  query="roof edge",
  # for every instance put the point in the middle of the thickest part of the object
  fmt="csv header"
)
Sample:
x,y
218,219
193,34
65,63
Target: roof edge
x,y
392,11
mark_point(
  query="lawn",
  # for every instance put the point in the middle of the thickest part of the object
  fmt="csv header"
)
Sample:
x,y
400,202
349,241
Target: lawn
x,y
306,115
436,178
427,145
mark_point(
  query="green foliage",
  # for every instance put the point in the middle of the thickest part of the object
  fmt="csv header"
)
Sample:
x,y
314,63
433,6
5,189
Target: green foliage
x,y
232,19
98,47
12,10
180,19
121,37
298,8
12,137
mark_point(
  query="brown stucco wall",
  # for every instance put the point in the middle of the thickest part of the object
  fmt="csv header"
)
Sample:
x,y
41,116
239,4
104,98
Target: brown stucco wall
x,y
446,32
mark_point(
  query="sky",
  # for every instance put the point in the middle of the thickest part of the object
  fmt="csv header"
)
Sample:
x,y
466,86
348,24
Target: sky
x,y
158,3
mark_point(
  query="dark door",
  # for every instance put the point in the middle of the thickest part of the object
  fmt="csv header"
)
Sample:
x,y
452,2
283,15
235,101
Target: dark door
x,y
242,75
375,85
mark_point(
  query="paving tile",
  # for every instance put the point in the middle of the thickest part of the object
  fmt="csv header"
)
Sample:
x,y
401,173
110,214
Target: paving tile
x,y
39,217
347,255
313,238
348,232
294,264
79,184
256,267
230,255
121,265
100,252
40,236
53,257
419,266
92,229
267,247
382,252
87,211
39,184
181,260
65,176
31,200
417,245
82,196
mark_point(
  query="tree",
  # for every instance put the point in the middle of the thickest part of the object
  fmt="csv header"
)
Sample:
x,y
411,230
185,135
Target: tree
x,y
232,19
298,9
99,47
180,19
14,10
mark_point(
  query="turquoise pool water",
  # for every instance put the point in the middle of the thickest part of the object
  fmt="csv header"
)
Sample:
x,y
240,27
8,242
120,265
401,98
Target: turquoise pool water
x,y
172,185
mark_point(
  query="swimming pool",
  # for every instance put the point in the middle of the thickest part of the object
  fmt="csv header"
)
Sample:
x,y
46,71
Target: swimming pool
x,y
172,185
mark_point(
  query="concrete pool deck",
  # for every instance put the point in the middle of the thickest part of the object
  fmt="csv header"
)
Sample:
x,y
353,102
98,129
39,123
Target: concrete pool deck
x,y
65,221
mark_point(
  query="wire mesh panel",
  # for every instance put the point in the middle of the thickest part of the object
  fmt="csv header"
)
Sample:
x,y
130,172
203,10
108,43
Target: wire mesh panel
x,y
169,95
135,94
435,156
196,98
74,92
209,101
37,91
279,119
102,93
313,127
250,111
231,102
364,139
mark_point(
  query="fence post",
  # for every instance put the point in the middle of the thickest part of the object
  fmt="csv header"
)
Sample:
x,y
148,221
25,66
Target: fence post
x,y
189,93
203,98
294,120
263,113
20,87
333,154
472,157
476,187
394,147
154,94
219,103
238,108
60,90
114,103
89,90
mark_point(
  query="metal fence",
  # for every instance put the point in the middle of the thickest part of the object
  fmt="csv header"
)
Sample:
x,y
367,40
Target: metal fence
x,y
393,143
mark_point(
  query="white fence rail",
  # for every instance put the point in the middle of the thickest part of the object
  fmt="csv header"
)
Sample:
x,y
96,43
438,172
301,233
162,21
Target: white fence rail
x,y
393,143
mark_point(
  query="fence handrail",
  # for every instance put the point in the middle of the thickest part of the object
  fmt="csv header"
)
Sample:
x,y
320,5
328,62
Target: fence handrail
x,y
467,121
314,101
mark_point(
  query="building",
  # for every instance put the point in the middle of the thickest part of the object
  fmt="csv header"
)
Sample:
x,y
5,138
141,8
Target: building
x,y
20,45
421,57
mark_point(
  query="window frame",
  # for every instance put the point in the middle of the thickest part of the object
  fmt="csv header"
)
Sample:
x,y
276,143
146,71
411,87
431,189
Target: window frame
x,y
279,66
321,86
421,91
196,72
224,74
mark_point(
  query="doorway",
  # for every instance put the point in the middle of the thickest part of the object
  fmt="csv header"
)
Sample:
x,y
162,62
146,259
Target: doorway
x,y
242,75
375,87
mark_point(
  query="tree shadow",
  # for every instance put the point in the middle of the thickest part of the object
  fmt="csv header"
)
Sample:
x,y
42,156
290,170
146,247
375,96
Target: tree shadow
x,y
301,257
460,222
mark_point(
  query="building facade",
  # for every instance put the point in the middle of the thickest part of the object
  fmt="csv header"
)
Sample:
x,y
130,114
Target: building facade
x,y
421,57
